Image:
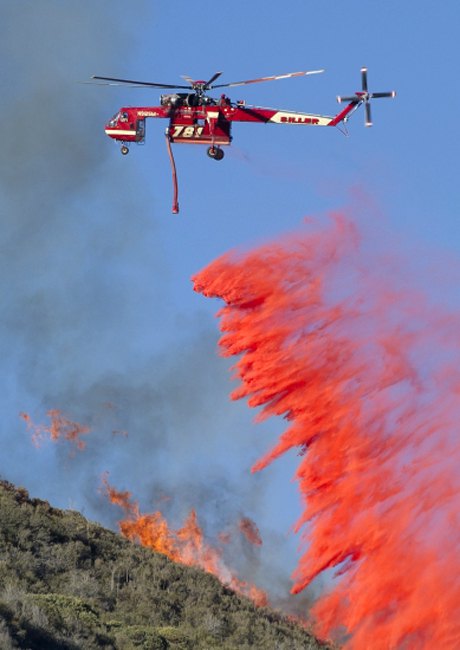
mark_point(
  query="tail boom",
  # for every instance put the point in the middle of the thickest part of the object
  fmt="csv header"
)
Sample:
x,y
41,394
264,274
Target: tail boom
x,y
344,114
272,116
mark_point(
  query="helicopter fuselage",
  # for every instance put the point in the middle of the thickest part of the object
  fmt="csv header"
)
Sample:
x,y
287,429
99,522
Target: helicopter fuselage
x,y
208,122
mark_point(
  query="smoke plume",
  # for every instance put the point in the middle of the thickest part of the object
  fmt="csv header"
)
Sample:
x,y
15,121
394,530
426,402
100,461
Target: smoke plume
x,y
331,332
93,325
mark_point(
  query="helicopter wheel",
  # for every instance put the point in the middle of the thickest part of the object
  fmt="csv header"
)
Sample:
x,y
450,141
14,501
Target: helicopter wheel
x,y
215,152
124,150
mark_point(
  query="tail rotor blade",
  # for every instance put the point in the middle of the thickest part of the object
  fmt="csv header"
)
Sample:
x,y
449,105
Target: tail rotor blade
x,y
364,79
367,107
378,95
363,97
353,98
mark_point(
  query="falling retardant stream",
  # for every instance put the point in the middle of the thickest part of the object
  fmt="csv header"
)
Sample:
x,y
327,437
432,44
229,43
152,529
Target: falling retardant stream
x,y
330,333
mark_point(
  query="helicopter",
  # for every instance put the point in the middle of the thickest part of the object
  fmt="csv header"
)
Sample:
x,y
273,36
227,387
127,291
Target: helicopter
x,y
197,118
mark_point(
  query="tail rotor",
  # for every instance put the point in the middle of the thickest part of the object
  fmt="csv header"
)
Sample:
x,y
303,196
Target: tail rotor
x,y
364,97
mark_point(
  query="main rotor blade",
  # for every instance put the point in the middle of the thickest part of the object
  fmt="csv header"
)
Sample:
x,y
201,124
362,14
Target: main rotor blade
x,y
122,82
187,78
207,84
213,78
273,78
364,79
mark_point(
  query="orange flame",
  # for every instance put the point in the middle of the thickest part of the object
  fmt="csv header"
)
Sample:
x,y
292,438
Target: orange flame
x,y
367,377
185,545
60,428
250,531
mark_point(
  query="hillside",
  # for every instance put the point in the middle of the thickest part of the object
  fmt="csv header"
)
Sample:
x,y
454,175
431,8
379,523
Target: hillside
x,y
67,584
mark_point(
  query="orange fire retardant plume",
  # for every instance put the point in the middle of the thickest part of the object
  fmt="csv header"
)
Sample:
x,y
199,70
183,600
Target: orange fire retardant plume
x,y
328,334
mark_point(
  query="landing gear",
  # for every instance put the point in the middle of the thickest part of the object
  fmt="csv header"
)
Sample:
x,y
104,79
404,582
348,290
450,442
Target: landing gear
x,y
215,152
124,150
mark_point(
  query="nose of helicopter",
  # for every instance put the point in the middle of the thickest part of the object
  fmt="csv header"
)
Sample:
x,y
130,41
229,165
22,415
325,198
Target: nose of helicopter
x,y
119,127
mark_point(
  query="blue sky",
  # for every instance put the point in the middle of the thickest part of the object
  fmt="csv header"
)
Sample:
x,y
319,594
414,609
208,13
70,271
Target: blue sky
x,y
97,301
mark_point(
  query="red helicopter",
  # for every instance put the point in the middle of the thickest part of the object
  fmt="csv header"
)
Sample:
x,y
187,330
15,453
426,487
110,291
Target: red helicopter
x,y
196,118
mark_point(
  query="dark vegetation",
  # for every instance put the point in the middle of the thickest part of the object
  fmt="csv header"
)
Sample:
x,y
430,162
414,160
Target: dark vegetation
x,y
67,584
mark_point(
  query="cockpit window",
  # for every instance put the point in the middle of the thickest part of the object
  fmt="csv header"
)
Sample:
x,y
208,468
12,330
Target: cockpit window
x,y
114,120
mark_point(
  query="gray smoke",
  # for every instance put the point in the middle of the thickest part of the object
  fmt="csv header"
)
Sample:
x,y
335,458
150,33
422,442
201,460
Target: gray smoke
x,y
77,241
88,324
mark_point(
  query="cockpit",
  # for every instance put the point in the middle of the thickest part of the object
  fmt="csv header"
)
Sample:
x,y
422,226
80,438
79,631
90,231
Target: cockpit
x,y
121,116
114,120
126,126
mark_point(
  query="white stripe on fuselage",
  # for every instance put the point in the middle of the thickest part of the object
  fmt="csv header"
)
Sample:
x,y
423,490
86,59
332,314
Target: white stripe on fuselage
x,y
120,132
287,117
